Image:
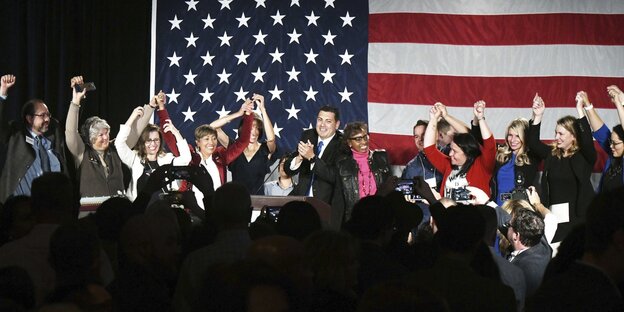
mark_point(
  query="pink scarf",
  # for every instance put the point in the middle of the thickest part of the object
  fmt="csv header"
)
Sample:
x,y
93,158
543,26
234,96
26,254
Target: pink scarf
x,y
366,179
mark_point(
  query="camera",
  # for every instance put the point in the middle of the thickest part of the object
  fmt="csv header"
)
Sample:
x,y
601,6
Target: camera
x,y
406,187
460,194
269,214
519,192
180,173
88,86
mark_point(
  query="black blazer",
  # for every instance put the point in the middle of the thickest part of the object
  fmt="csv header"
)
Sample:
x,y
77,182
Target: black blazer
x,y
324,170
533,263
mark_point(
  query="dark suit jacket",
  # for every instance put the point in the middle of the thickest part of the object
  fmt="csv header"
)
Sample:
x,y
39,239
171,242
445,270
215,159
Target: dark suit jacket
x,y
19,155
533,263
324,174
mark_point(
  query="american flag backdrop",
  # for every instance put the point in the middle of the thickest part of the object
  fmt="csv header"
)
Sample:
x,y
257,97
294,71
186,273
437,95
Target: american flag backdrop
x,y
385,61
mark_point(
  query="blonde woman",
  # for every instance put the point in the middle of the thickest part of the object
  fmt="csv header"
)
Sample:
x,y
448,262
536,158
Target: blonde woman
x,y
568,162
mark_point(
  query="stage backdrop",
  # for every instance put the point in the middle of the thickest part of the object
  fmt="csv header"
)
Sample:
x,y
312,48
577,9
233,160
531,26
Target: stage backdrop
x,y
384,62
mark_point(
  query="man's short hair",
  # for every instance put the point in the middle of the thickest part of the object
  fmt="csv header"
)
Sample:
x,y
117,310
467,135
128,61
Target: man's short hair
x,y
231,203
420,123
443,126
530,225
53,192
331,109
29,108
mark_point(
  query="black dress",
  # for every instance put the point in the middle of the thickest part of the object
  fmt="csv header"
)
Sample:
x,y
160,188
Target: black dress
x,y
251,173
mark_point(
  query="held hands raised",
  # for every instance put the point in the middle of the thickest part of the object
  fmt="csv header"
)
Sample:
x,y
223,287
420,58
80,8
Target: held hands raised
x,y
436,111
6,82
247,107
617,96
538,106
169,127
479,110
258,99
158,100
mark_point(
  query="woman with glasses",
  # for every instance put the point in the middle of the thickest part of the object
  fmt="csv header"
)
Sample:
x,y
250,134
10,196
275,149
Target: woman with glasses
x,y
148,154
568,162
361,171
610,141
467,163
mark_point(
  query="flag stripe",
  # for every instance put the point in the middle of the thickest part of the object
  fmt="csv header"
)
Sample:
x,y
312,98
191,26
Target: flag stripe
x,y
502,7
399,118
498,29
514,92
496,61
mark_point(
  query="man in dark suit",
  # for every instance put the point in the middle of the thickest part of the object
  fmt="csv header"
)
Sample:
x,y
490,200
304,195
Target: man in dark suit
x,y
531,250
33,146
315,161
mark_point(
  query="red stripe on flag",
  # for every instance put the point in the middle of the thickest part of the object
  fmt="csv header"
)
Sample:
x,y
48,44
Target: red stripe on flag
x,y
514,92
590,29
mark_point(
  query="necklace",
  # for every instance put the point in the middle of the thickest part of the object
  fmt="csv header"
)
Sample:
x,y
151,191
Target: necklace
x,y
366,183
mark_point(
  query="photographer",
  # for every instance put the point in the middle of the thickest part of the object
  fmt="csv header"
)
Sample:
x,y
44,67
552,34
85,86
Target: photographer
x,y
466,164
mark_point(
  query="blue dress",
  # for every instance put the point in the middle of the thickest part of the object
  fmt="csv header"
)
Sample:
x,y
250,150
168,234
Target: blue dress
x,y
251,173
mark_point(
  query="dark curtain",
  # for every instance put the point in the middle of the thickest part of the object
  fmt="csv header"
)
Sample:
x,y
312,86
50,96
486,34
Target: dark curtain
x,y
46,42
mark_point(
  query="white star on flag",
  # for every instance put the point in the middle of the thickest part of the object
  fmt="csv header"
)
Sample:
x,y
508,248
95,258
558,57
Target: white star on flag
x,y
223,112
277,130
277,18
292,74
225,39
294,36
207,58
327,76
346,20
345,95
188,115
294,2
206,96
175,59
346,57
191,40
310,94
242,57
224,77
277,56
329,3
173,96
260,3
192,5
311,57
329,38
190,77
240,94
175,22
225,4
242,20
259,37
312,19
292,112
258,75
275,93
208,21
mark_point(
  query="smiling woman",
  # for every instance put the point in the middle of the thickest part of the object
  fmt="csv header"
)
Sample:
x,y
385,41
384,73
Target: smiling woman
x,y
361,171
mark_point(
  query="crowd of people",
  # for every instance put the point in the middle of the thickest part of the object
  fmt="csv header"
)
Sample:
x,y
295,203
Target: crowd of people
x,y
469,226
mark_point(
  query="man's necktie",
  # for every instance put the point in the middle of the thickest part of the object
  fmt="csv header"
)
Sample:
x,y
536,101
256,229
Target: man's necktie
x,y
319,148
43,154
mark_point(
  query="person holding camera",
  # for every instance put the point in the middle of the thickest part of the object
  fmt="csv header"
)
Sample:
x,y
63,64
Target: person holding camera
x,y
148,154
361,172
467,164
568,163
612,142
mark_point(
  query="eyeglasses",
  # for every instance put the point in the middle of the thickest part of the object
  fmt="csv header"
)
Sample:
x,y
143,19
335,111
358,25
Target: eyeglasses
x,y
615,143
504,227
43,115
360,139
155,141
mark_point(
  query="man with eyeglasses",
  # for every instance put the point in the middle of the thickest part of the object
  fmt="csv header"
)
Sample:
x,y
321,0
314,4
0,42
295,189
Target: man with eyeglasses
x,y
315,160
32,147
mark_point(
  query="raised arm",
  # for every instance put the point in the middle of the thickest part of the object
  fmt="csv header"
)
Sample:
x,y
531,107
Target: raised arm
x,y
124,149
163,116
137,127
535,144
72,136
458,125
6,82
617,97
431,132
266,122
219,123
237,147
585,108
185,153
479,115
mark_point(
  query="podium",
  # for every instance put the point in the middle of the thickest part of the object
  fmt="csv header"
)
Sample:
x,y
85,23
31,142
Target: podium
x,y
322,208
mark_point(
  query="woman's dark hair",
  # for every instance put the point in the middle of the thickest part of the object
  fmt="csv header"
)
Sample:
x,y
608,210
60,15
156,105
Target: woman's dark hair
x,y
140,145
616,164
470,147
349,131
258,123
